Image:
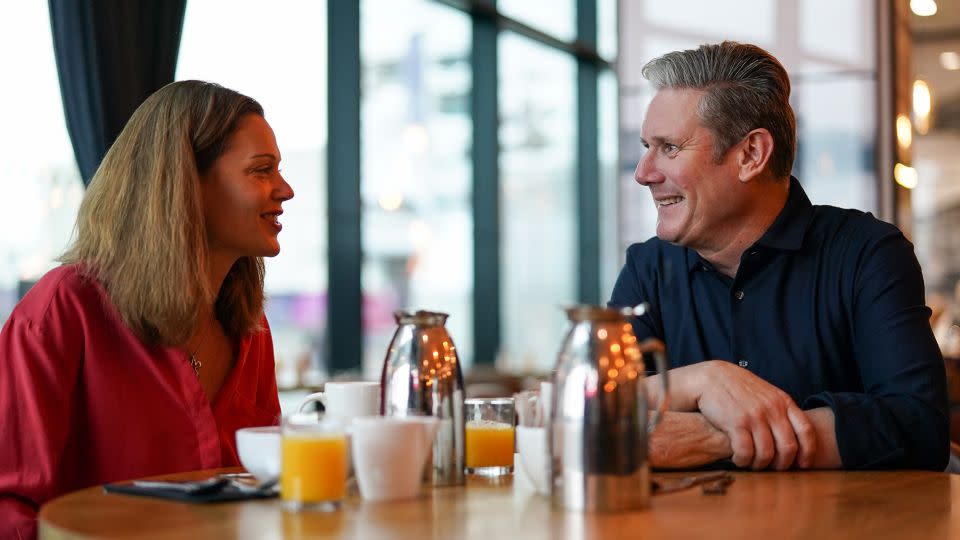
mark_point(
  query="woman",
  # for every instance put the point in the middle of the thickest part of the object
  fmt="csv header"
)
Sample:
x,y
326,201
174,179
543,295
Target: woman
x,y
147,349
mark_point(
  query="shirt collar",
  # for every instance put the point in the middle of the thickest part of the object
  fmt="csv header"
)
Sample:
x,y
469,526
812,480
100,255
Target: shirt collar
x,y
786,232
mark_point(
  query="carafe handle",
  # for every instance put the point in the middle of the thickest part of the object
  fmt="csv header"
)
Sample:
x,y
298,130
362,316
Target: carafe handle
x,y
654,347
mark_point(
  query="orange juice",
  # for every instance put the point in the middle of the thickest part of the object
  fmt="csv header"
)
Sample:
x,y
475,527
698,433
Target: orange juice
x,y
313,467
489,444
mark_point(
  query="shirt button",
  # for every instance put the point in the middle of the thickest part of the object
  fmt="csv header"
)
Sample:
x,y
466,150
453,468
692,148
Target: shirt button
x,y
743,363
738,295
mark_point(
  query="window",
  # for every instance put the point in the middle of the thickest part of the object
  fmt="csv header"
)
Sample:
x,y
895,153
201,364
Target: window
x,y
555,17
241,45
39,179
417,220
538,209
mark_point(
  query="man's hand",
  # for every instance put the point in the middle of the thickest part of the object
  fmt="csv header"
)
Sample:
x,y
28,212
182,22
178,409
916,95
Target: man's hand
x,y
765,427
685,439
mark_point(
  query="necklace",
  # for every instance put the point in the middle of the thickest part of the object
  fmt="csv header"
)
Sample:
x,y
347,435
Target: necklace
x,y
194,363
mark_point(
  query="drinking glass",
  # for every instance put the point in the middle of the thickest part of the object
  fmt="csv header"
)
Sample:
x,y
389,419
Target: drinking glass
x,y
489,436
313,464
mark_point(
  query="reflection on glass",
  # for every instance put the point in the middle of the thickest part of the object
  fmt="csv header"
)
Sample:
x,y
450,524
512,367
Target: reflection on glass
x,y
39,180
538,209
294,103
416,177
555,17
935,202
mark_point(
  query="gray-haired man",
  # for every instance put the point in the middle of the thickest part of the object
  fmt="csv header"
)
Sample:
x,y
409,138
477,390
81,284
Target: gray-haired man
x,y
765,301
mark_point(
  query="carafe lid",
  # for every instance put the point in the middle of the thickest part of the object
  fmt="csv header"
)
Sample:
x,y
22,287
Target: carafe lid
x,y
420,317
586,312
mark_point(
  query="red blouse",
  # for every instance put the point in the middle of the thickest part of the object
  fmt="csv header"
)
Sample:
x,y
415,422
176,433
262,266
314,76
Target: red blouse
x,y
84,402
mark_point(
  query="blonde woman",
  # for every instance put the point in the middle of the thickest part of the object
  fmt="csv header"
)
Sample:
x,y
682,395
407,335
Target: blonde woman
x,y
147,349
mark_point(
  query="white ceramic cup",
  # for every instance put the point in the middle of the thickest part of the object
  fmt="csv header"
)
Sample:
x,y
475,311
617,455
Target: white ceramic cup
x,y
546,398
532,447
346,400
389,453
259,451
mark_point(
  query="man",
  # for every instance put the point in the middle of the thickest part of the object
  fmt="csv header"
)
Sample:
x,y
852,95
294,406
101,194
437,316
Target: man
x,y
797,334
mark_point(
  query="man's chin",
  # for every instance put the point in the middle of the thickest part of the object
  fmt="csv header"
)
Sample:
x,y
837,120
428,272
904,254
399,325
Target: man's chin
x,y
667,235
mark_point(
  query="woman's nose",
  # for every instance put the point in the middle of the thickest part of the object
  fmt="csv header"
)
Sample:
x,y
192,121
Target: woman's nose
x,y
283,191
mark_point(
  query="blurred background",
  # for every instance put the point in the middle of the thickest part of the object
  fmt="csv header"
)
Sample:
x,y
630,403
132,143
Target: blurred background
x,y
476,157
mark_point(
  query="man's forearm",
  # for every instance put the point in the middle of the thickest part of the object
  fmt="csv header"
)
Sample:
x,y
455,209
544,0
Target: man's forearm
x,y
684,391
687,439
827,455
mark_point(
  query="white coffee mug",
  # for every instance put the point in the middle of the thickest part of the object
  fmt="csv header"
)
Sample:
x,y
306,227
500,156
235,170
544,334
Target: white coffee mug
x,y
346,400
389,453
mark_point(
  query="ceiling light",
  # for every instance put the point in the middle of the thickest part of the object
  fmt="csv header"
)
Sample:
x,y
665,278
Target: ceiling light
x,y
923,8
922,105
905,176
950,60
904,131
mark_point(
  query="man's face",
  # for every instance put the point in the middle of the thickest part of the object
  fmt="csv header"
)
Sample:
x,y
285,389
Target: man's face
x,y
699,201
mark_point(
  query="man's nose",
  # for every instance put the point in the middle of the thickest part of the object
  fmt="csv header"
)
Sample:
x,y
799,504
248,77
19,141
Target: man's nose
x,y
646,172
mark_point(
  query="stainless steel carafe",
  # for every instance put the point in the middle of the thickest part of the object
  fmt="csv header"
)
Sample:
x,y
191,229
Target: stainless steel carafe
x,y
598,425
421,376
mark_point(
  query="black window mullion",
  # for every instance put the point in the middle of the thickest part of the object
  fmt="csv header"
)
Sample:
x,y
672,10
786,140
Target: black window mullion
x,y
344,315
588,160
486,186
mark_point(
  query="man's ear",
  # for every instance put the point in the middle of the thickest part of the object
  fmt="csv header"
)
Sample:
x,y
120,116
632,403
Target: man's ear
x,y
754,153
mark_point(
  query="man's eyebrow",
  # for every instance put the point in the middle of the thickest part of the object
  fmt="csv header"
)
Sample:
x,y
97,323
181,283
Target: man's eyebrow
x,y
656,139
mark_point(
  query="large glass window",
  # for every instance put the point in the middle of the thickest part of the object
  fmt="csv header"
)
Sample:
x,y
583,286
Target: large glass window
x,y
39,179
416,175
607,22
241,45
538,213
555,17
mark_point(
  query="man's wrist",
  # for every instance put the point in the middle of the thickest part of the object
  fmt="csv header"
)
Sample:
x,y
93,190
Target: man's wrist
x,y
686,386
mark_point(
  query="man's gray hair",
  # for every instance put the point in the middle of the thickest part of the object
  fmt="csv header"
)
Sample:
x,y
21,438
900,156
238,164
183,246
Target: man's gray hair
x,y
745,87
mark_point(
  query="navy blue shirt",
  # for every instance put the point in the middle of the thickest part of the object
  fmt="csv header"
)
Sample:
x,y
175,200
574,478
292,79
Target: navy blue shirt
x,y
828,305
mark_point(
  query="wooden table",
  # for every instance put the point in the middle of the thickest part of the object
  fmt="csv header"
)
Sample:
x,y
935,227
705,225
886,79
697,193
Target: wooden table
x,y
809,505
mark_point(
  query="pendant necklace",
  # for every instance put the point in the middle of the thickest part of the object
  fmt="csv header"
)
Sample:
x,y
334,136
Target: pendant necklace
x,y
193,355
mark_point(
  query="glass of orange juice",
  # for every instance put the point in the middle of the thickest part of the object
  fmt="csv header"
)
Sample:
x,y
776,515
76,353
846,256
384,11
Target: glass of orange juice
x,y
313,464
489,435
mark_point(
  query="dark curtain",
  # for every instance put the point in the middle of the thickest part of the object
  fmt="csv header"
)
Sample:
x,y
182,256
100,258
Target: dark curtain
x,y
111,55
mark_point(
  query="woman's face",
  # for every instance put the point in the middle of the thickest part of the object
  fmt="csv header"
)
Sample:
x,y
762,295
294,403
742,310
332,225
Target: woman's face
x,y
243,193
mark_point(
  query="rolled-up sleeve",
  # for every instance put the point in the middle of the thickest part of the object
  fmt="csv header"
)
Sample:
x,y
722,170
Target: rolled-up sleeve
x,y
900,420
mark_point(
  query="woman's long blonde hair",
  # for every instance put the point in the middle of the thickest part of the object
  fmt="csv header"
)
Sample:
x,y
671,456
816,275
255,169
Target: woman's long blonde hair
x,y
140,229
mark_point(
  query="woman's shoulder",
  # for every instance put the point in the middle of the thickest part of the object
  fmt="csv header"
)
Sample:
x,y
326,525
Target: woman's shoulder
x,y
66,288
